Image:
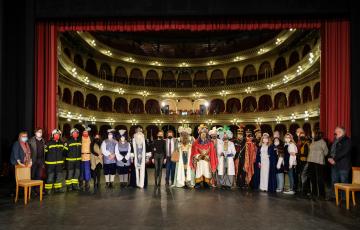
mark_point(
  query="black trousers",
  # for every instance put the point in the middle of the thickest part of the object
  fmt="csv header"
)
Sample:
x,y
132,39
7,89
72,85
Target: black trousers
x,y
36,169
96,174
241,176
316,176
159,160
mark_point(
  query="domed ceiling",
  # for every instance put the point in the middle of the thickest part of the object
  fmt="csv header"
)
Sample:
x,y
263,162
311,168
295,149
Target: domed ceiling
x,y
174,44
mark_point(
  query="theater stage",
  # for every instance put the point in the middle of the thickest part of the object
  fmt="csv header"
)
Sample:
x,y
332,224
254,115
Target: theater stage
x,y
172,208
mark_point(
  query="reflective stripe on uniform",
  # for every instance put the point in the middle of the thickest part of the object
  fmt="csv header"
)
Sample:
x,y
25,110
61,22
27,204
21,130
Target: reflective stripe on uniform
x,y
68,182
73,159
66,148
75,181
73,144
48,186
53,162
55,146
58,185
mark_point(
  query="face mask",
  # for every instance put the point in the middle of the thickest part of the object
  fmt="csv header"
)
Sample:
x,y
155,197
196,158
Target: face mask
x,y
56,137
276,142
75,135
122,139
160,137
302,138
287,140
110,136
38,134
24,139
170,137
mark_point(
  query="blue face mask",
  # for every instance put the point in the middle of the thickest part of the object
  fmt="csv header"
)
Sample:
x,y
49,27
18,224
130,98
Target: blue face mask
x,y
24,139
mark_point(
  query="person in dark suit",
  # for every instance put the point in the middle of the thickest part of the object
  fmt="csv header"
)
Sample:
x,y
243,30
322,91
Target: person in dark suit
x,y
158,149
340,157
37,146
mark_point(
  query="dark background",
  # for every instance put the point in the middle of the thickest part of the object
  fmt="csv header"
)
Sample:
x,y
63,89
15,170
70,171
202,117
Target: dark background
x,y
17,24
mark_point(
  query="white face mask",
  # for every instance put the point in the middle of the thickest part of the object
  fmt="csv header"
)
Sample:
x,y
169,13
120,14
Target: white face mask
x,y
276,142
110,136
122,139
24,139
38,134
287,140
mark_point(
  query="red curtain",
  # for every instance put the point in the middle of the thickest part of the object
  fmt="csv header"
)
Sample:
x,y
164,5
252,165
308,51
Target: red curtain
x,y
335,77
190,24
46,76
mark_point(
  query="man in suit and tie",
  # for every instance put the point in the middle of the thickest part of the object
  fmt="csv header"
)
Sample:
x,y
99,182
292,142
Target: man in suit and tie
x,y
171,145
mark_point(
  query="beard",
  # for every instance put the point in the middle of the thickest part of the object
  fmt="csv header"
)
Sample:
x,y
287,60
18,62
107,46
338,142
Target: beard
x,y
139,138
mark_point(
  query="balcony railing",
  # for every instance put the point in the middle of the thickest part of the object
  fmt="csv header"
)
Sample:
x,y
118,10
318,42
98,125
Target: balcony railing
x,y
301,111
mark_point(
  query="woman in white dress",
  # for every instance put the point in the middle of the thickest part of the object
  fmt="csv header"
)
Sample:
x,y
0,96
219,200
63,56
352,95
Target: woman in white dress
x,y
264,163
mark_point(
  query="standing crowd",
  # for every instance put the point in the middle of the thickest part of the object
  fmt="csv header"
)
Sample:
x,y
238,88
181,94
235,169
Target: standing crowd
x,y
217,158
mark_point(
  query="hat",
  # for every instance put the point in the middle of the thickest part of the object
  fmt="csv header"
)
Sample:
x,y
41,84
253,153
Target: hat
x,y
265,135
87,128
202,128
122,132
138,129
55,131
184,129
213,131
249,132
257,129
73,131
225,131
240,130
111,131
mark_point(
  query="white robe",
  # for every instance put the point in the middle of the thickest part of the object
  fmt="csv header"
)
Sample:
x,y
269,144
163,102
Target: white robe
x,y
180,173
264,168
228,159
139,169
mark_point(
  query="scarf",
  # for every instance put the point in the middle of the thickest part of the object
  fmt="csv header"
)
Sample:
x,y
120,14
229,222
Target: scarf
x,y
25,147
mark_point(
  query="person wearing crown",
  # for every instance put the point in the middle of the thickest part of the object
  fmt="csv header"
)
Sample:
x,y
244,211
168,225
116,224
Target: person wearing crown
x,y
225,152
250,157
108,149
123,159
214,138
204,159
184,175
239,143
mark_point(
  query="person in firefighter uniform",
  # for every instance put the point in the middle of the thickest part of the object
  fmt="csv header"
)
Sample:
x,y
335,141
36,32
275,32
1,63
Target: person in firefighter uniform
x,y
73,156
54,161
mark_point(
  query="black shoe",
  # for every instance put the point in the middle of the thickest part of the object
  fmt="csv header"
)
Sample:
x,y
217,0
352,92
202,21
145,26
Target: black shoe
x,y
111,185
69,188
107,185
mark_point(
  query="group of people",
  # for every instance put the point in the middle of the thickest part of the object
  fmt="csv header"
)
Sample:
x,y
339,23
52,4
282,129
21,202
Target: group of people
x,y
217,158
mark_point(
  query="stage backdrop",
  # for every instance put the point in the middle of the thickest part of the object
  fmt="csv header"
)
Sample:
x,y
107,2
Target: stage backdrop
x,y
335,77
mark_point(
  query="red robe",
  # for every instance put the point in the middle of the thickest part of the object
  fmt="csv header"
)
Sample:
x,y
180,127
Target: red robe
x,y
196,147
250,158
